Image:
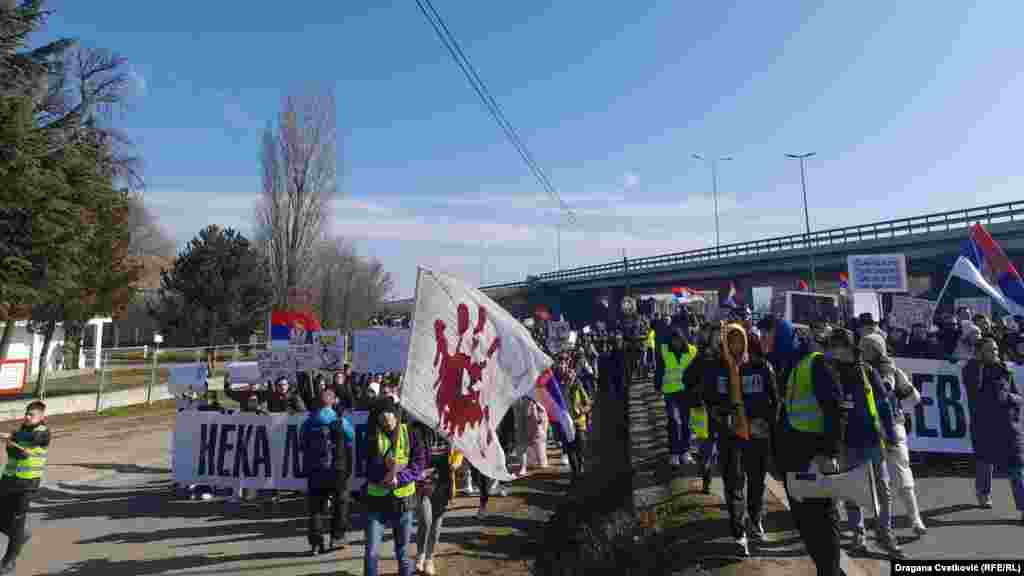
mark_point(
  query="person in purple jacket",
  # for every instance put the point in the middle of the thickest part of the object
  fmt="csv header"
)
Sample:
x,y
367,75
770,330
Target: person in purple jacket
x,y
394,462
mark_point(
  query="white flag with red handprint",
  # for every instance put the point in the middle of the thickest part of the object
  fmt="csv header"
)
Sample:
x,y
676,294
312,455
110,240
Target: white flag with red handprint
x,y
469,361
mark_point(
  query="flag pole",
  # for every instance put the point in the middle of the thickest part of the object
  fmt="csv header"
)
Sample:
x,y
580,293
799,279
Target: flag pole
x,y
942,292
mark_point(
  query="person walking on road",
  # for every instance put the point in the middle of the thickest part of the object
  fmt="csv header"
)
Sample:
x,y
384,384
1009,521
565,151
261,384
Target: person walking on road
x,y
434,492
393,465
868,431
744,461
810,429
26,462
326,439
676,357
997,428
900,394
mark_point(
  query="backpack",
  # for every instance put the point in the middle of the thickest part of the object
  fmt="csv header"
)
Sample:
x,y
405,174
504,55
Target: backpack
x,y
318,447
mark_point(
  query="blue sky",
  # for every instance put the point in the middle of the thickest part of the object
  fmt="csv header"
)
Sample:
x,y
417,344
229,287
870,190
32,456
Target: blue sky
x,y
911,106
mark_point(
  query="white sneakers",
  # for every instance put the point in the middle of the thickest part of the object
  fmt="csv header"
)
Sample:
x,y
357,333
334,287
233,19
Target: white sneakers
x,y
688,459
425,566
744,545
985,501
673,460
565,460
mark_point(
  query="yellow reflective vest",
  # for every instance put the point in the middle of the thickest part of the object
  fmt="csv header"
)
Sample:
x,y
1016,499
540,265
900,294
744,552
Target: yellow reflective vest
x,y
401,459
802,409
672,379
28,464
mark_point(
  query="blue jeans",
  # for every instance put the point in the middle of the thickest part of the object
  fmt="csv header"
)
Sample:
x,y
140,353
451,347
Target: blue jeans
x,y
401,525
983,472
678,424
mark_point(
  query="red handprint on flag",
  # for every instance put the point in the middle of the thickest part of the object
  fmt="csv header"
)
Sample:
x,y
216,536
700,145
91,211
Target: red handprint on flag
x,y
460,375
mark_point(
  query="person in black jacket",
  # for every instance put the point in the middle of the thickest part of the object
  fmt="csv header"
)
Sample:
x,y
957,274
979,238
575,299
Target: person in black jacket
x,y
326,440
743,461
26,462
796,447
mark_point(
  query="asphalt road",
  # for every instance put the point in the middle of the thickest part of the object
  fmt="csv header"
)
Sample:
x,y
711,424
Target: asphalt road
x,y
133,524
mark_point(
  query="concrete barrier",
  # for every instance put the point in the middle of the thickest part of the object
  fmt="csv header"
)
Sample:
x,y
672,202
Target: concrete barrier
x,y
76,403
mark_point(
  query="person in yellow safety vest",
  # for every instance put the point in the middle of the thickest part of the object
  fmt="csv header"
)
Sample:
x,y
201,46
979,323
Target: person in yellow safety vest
x,y
394,462
22,476
675,359
869,427
650,349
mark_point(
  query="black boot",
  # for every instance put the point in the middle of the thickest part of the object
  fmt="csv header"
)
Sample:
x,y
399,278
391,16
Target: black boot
x,y
18,537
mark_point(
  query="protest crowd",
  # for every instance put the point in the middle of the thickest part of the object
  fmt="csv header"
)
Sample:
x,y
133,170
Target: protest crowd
x,y
744,397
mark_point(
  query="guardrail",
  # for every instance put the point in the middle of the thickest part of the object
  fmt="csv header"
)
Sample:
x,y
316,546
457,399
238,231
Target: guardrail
x,y
917,225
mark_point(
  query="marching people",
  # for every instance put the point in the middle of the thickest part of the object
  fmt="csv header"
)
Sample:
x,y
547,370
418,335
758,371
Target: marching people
x,y
434,492
676,356
997,428
899,393
393,465
580,407
538,435
810,429
27,448
869,430
326,439
743,460
703,372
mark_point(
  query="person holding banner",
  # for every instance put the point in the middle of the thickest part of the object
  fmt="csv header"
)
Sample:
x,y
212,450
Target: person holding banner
x,y
997,427
810,430
326,441
393,465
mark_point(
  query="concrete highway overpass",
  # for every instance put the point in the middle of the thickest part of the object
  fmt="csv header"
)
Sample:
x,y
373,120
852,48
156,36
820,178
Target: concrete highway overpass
x,y
931,243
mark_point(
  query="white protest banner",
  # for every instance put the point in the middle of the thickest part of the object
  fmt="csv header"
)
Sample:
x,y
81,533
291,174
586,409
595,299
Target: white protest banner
x,y
558,335
250,450
242,375
979,305
469,362
907,311
940,422
380,349
275,364
878,273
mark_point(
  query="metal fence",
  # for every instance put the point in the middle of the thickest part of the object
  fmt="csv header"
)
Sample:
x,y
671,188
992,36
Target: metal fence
x,y
887,230
138,370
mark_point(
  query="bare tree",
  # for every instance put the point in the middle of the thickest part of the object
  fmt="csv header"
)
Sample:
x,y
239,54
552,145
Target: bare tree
x,y
351,288
299,164
148,238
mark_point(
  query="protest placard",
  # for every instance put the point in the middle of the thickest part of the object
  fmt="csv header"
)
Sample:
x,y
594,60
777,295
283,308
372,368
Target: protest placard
x,y
907,311
380,349
878,273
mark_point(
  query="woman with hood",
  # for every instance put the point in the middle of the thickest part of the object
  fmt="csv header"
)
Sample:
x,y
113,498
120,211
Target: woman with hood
x,y
901,396
394,462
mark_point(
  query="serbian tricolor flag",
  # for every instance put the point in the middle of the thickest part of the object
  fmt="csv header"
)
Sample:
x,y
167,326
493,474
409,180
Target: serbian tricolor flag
x,y
684,294
801,285
844,281
988,257
290,326
549,394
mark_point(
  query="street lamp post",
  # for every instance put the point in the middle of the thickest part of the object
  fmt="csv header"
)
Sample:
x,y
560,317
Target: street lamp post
x,y
714,188
807,217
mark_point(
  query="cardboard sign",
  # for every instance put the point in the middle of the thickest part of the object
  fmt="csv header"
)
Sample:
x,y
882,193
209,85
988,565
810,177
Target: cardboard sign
x,y
907,311
878,273
380,349
276,364
558,336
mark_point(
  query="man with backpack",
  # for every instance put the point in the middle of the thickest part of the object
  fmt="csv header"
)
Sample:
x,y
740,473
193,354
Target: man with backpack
x,y
326,440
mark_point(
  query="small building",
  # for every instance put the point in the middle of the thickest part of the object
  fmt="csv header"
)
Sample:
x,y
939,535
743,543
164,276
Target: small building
x,y
26,345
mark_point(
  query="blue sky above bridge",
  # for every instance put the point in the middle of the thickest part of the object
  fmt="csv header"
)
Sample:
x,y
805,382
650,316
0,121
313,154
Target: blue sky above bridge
x,y
912,107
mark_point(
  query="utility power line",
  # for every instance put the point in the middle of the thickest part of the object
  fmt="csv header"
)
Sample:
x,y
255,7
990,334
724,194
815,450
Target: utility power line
x,y
449,41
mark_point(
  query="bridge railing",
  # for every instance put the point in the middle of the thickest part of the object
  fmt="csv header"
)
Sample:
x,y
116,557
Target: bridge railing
x,y
913,226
